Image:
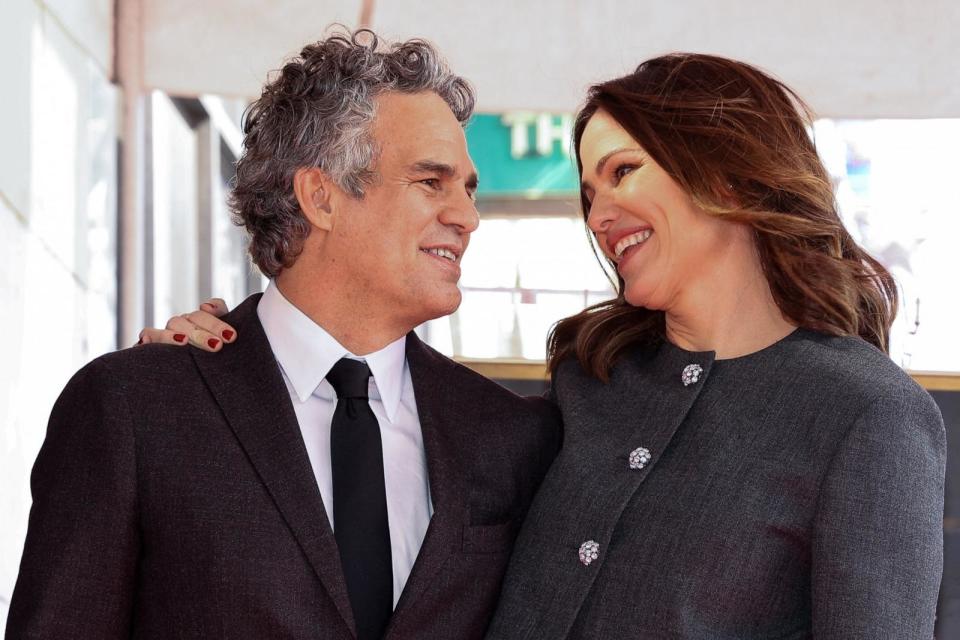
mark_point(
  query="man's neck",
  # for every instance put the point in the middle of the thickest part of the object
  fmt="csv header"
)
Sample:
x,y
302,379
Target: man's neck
x,y
361,328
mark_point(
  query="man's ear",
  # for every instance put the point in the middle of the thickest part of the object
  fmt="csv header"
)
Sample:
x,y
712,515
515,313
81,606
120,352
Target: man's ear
x,y
314,189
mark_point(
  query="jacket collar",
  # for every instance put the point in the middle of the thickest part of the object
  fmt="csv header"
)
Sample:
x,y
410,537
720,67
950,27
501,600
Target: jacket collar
x,y
245,381
440,422
306,352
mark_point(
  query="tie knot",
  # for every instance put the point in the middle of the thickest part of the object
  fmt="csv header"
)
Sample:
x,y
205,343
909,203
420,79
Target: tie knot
x,y
350,378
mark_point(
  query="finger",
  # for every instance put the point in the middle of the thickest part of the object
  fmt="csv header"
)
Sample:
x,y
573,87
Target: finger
x,y
209,323
196,336
216,306
181,324
203,339
162,336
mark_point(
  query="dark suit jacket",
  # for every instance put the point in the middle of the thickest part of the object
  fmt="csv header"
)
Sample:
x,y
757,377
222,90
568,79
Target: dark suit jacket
x,y
796,492
173,498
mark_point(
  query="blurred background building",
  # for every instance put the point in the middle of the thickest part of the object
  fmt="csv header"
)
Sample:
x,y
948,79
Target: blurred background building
x,y
120,124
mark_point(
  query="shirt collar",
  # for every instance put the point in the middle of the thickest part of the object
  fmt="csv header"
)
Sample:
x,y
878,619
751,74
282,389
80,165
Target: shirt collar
x,y
306,352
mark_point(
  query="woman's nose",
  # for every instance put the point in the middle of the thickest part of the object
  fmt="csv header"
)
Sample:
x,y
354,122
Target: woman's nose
x,y
602,214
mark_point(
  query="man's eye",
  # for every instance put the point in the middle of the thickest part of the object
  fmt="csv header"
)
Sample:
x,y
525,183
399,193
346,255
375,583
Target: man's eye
x,y
433,183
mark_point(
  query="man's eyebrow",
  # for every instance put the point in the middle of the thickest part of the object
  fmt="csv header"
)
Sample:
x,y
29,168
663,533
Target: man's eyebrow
x,y
472,181
430,166
445,170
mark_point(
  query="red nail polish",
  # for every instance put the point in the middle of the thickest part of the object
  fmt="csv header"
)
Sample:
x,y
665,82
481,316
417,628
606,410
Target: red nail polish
x,y
212,343
227,334
179,337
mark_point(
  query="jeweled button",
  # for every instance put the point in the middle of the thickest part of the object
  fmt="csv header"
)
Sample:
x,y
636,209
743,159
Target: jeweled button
x,y
589,551
639,458
691,374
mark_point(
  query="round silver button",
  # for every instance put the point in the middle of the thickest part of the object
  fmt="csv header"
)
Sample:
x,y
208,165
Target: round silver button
x,y
691,374
639,458
589,551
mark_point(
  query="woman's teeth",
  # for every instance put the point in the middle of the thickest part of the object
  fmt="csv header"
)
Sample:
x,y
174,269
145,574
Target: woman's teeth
x,y
631,240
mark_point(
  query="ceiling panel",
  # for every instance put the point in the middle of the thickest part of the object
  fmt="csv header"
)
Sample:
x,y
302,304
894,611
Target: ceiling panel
x,y
889,58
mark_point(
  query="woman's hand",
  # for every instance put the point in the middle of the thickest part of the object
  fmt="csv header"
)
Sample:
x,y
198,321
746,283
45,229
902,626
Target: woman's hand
x,y
201,328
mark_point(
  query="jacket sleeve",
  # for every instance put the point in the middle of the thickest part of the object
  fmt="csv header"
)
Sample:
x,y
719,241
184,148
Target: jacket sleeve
x,y
877,549
77,573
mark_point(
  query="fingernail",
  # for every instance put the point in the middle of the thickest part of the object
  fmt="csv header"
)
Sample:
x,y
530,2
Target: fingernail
x,y
212,343
179,337
227,334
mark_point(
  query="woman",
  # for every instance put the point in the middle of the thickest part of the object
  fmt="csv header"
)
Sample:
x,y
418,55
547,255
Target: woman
x,y
741,459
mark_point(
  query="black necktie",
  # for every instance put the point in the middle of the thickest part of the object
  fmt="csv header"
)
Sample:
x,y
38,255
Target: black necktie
x,y
360,501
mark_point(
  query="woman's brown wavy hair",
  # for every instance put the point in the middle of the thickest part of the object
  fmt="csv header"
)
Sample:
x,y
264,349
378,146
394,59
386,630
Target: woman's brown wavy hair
x,y
739,142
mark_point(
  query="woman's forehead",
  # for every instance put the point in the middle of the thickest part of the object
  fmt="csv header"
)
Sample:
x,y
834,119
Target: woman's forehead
x,y
603,137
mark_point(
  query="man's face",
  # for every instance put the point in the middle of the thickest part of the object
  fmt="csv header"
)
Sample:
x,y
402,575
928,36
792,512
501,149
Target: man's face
x,y
401,245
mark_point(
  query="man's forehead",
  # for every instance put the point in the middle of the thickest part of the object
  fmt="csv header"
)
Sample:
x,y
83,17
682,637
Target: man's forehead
x,y
414,128
430,151
424,109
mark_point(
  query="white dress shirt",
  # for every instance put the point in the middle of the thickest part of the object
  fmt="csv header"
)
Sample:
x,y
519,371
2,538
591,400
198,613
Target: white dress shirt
x,y
306,354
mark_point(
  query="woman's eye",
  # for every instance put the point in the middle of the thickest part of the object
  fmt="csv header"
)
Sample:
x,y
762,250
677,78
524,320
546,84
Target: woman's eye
x,y
622,170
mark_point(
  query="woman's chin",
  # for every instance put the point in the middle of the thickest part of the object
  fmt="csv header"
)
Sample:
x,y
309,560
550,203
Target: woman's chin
x,y
640,298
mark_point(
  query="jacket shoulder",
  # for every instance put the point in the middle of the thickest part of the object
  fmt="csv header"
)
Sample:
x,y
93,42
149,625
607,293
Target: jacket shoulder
x,y
163,362
464,386
133,365
852,363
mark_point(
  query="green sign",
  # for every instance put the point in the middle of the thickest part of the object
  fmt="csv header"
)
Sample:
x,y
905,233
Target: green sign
x,y
523,154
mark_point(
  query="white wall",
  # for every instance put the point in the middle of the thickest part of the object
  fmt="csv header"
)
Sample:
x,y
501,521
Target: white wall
x,y
58,159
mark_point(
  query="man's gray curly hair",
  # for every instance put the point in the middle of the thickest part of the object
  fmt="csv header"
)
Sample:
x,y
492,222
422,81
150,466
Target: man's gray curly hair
x,y
317,111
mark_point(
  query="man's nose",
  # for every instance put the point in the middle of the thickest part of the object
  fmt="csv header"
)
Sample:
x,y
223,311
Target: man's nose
x,y
462,212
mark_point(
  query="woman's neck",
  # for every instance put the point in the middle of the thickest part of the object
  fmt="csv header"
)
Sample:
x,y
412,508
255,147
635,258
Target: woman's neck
x,y
731,311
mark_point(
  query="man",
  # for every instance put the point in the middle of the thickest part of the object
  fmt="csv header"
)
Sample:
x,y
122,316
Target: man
x,y
367,486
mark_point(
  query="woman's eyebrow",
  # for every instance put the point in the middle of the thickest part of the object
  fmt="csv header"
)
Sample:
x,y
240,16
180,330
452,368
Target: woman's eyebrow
x,y
603,161
584,185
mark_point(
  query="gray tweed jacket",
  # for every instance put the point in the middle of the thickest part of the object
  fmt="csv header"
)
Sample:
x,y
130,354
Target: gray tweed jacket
x,y
793,493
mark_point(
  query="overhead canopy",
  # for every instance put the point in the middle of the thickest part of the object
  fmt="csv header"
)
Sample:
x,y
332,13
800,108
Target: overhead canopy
x,y
853,59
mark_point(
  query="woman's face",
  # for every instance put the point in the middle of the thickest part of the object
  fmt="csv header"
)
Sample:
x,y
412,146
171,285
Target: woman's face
x,y
662,243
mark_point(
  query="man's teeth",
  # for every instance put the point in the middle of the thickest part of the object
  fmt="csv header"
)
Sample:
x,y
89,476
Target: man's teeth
x,y
632,239
443,253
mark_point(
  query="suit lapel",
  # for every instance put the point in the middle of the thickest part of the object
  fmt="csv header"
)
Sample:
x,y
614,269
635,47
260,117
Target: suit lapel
x,y
246,382
439,423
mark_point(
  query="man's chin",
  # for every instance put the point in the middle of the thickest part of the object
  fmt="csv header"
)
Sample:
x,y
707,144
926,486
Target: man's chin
x,y
439,306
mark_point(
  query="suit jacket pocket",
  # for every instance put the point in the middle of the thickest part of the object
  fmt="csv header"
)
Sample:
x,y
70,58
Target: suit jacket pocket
x,y
489,538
